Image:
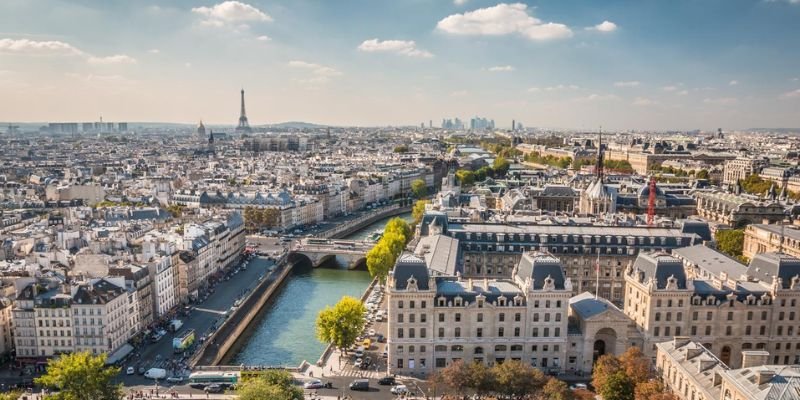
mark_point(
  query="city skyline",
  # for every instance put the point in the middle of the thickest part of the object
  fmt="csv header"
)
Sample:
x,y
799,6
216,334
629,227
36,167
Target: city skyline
x,y
567,64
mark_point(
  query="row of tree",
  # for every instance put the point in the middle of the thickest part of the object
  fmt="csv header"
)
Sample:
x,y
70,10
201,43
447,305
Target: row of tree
x,y
382,256
510,379
553,161
256,219
499,169
627,377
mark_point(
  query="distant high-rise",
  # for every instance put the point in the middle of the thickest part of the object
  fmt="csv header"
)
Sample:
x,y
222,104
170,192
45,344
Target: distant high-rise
x,y
243,126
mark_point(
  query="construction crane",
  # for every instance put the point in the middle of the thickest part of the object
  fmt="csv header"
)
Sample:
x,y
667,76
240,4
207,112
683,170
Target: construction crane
x,y
651,202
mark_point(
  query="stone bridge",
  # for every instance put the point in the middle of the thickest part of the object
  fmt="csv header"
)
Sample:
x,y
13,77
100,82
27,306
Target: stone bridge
x,y
346,253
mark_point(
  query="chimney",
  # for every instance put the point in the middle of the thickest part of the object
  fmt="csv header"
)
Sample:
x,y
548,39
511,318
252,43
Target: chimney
x,y
764,376
754,358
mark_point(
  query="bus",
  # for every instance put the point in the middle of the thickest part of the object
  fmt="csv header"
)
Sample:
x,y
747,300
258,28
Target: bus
x,y
211,377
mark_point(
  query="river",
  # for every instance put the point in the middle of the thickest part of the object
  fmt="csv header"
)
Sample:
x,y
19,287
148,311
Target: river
x,y
284,334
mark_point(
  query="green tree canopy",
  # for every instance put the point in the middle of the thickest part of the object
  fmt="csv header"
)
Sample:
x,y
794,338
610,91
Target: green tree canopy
x,y
618,386
731,241
380,260
399,226
418,188
341,324
556,389
273,384
500,166
418,211
401,149
79,376
465,177
703,174
515,378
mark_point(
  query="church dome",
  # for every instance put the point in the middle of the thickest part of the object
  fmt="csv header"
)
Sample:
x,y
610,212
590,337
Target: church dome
x,y
201,129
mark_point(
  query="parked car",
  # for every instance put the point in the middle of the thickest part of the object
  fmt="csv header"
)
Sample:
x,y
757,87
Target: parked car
x,y
365,364
214,388
371,332
399,389
197,385
577,386
131,371
175,379
387,380
358,362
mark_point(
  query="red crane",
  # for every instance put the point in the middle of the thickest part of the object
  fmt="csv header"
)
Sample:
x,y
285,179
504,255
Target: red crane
x,y
651,202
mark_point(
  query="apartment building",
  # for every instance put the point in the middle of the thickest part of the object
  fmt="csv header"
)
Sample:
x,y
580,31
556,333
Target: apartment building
x,y
763,238
740,167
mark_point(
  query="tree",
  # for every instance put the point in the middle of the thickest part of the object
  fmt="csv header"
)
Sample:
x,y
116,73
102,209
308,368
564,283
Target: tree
x,y
341,324
395,242
703,174
618,386
380,260
419,188
480,377
401,149
731,241
400,226
500,166
605,366
273,384
636,365
465,177
418,210
456,376
79,376
556,389
515,378
13,395
176,210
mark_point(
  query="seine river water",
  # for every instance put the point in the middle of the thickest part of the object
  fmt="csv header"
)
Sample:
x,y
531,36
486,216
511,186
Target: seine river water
x,y
285,333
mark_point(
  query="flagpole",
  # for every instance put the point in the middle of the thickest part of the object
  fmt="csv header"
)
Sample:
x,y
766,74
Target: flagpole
x,y
597,271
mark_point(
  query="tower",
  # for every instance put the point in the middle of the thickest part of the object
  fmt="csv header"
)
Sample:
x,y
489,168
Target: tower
x,y
243,126
598,169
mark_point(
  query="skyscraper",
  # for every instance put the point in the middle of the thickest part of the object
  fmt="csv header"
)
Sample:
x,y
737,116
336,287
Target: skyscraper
x,y
243,126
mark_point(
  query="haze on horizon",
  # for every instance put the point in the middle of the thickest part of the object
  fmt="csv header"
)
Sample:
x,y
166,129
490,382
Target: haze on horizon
x,y
679,64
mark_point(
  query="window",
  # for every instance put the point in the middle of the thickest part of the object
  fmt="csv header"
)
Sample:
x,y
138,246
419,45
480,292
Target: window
x,y
422,332
399,318
517,317
656,331
748,330
658,316
728,330
412,318
709,316
679,316
399,363
502,317
458,317
423,318
708,331
516,332
557,332
457,332
411,333
441,317
479,332
400,304
423,304
500,332
558,317
411,304
694,316
441,332
535,332
730,315
480,317
535,317
441,363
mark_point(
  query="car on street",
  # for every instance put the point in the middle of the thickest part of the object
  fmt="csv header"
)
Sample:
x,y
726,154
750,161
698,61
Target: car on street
x,y
399,389
577,386
142,370
371,332
175,379
314,384
358,362
385,354
197,385
387,380
214,388
359,384
130,371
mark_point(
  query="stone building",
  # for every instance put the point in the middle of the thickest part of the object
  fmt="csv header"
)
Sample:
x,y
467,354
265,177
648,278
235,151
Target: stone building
x,y
763,238
739,168
736,210
727,307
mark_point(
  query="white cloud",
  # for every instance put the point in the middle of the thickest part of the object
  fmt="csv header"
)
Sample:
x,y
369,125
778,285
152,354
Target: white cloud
x,y
534,90
670,88
721,100
36,47
459,93
683,92
319,73
403,47
597,97
154,51
643,101
460,2
110,60
733,83
605,26
560,87
503,19
792,95
231,12
263,38
627,84
501,68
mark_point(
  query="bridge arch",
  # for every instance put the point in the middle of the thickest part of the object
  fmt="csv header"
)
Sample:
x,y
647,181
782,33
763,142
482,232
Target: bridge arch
x,y
299,258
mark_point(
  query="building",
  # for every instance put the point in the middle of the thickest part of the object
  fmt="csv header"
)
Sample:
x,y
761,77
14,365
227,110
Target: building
x,y
740,167
436,318
692,372
6,326
492,250
714,300
763,238
736,210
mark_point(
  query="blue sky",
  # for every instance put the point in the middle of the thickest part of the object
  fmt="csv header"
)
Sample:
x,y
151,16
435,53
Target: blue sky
x,y
638,64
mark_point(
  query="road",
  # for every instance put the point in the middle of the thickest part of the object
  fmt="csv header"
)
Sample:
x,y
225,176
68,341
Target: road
x,y
205,315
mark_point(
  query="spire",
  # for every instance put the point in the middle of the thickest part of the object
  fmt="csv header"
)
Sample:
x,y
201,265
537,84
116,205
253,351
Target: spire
x,y
243,126
598,169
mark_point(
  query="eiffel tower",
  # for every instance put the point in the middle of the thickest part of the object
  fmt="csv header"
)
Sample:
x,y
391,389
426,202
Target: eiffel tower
x,y
244,126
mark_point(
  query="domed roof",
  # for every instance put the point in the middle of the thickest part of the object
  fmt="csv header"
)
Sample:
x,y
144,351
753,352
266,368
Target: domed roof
x,y
201,129
644,191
